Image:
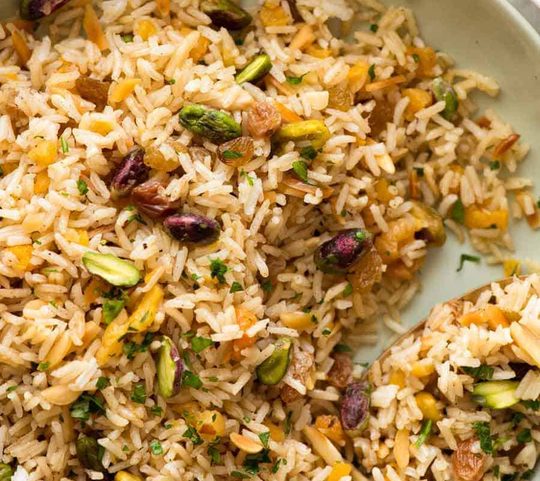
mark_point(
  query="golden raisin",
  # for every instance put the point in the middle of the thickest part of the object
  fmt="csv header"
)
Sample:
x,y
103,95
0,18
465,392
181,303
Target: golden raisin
x,y
95,91
156,160
468,466
340,375
340,97
380,116
236,152
263,120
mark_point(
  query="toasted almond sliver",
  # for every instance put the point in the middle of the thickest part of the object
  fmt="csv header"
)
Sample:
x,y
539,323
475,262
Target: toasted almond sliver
x,y
322,446
401,448
60,395
245,444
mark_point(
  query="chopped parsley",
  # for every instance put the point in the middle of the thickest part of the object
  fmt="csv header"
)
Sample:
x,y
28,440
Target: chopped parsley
x,y
484,436
12,388
326,332
264,437
308,153
482,372
294,80
348,290
127,37
374,27
139,393
517,417
136,218
495,165
85,405
240,475
248,177
131,348
236,287
425,431
111,309
457,212
218,269
156,447
64,145
371,72
252,461
524,436
267,287
467,258
300,168
192,434
171,81
43,366
191,380
199,344
342,348
82,187
288,425
419,171
532,404
416,57
156,410
102,382
215,455
231,154
275,467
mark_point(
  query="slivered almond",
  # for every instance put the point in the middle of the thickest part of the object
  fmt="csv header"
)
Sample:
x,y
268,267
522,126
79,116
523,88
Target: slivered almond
x,y
527,341
59,395
401,448
245,444
322,446
386,163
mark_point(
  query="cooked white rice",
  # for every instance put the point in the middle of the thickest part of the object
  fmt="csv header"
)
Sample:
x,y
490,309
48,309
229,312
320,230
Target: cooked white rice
x,y
370,174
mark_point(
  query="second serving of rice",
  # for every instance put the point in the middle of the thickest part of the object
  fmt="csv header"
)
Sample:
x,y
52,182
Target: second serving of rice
x,y
403,155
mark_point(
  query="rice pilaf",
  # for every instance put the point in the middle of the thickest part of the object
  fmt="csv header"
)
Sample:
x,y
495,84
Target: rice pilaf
x,y
197,222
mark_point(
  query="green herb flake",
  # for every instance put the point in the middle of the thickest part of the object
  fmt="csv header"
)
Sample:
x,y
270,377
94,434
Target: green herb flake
x,y
171,81
342,348
218,269
12,388
326,332
64,145
199,344
425,431
300,168
308,153
240,475
43,366
524,436
156,447
457,212
495,165
231,154
371,72
374,27
467,258
125,448
252,461
215,455
156,410
191,380
416,57
82,187
85,405
136,218
111,309
348,290
527,474
275,467
236,287
192,434
139,393
482,372
266,286
534,405
294,80
288,425
213,379
264,437
517,417
484,436
127,37
102,382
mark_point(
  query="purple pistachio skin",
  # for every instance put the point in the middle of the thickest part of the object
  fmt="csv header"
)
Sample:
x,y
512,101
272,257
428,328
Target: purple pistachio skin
x,y
354,410
193,228
36,9
341,252
132,171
